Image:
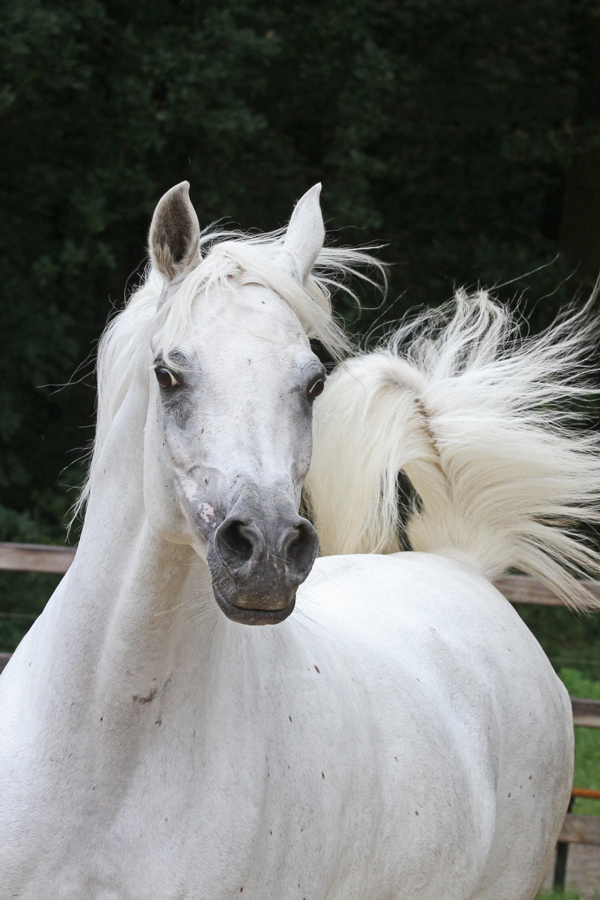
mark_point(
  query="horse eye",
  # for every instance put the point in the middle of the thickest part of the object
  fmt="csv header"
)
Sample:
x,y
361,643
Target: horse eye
x,y
316,388
165,378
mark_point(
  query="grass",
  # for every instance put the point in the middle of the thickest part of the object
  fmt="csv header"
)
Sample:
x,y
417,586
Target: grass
x,y
558,895
587,759
587,742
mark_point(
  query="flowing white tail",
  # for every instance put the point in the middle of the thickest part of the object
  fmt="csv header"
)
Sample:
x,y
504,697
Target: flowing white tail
x,y
478,423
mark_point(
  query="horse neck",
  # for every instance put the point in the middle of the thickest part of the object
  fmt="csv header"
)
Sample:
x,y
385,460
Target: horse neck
x,y
124,607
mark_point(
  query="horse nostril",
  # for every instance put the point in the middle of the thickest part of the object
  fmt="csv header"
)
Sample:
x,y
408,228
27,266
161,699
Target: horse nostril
x,y
236,542
277,553
300,548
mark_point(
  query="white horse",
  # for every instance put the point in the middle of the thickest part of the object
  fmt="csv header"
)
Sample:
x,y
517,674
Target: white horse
x,y
401,735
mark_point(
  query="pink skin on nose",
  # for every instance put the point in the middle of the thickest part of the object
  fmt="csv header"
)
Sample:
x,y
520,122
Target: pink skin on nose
x,y
206,512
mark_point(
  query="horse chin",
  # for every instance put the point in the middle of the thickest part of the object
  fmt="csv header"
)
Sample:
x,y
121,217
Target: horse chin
x,y
245,616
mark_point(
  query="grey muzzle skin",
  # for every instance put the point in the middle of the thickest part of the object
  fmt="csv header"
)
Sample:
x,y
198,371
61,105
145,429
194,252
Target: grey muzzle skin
x,y
258,561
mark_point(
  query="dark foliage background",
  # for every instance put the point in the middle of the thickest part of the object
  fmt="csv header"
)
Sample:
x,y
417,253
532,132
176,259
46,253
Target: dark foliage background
x,y
462,133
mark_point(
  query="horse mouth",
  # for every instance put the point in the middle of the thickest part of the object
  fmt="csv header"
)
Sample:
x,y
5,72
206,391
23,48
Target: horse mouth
x,y
245,616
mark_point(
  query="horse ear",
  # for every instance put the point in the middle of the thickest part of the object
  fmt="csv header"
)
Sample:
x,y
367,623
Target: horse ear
x,y
304,236
175,233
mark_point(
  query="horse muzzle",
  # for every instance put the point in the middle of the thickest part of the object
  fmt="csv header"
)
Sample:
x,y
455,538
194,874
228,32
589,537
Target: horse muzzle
x,y
257,563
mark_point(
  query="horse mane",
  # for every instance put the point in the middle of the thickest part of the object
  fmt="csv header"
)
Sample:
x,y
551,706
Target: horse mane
x,y
159,314
486,426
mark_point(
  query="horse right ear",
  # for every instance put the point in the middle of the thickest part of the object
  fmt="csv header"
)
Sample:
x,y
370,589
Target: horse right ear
x,y
175,234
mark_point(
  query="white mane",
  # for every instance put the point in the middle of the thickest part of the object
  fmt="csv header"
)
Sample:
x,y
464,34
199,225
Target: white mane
x,y
160,317
479,419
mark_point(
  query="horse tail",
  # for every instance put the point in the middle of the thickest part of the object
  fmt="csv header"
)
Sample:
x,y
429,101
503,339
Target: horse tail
x,y
459,437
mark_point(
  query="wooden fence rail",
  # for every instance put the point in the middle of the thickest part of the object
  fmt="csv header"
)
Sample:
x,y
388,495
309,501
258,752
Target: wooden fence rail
x,y
516,588
46,558
35,557
523,589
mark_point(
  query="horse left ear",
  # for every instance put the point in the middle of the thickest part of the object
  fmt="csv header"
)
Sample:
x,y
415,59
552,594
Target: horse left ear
x,y
304,236
175,233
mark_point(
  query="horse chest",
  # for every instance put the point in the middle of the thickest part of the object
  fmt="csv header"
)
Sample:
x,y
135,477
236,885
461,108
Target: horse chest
x,y
289,819
283,786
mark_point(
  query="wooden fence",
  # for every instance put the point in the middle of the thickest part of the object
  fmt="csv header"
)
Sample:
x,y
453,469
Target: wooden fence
x,y
35,558
577,829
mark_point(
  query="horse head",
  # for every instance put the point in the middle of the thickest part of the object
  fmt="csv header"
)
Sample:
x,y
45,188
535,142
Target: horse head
x,y
229,433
